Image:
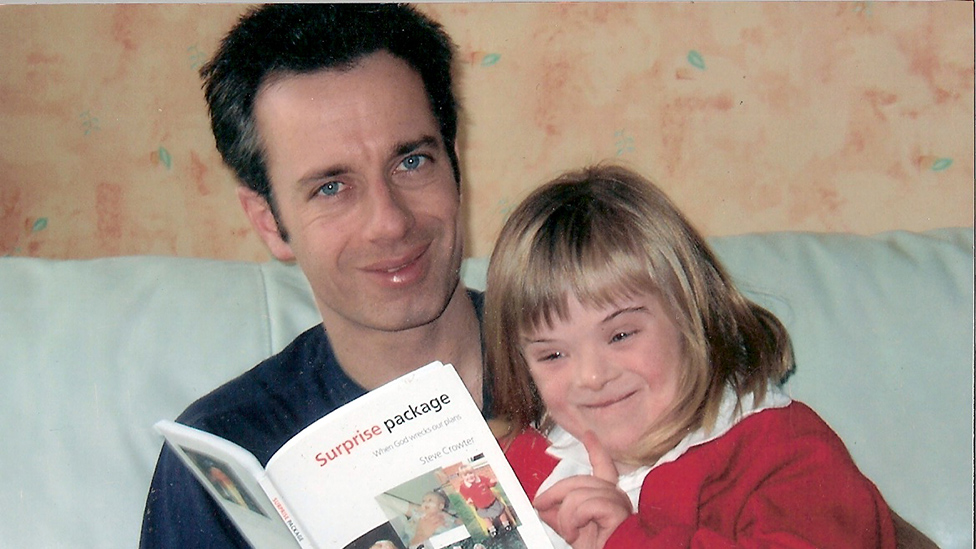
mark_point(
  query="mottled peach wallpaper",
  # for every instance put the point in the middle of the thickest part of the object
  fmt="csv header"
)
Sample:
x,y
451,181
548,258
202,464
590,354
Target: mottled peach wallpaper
x,y
755,116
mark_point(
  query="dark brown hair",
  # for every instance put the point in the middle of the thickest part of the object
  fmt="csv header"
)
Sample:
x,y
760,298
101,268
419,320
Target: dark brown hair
x,y
275,40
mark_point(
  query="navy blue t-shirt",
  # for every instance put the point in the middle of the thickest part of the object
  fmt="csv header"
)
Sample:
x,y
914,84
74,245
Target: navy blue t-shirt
x,y
260,411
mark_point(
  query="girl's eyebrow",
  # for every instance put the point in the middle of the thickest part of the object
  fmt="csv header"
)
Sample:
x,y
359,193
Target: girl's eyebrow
x,y
625,310
527,341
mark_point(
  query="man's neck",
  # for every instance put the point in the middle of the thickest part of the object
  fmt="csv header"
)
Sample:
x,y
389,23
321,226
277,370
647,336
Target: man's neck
x,y
372,358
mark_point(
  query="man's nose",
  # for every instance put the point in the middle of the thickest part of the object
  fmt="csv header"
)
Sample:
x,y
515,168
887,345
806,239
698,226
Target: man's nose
x,y
388,215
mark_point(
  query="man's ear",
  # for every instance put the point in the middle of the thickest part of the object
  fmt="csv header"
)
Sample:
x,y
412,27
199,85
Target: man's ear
x,y
259,213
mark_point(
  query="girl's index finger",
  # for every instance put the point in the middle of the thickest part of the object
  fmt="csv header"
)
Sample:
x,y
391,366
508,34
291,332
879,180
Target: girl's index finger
x,y
600,459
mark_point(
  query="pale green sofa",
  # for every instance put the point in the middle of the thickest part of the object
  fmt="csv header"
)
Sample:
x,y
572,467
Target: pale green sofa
x,y
93,352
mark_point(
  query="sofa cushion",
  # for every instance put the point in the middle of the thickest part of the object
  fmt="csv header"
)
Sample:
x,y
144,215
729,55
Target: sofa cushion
x,y
92,353
883,336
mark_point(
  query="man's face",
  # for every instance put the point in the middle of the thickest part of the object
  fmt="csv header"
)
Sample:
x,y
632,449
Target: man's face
x,y
366,192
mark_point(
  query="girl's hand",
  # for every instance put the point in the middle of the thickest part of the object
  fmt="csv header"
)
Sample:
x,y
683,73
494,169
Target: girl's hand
x,y
586,509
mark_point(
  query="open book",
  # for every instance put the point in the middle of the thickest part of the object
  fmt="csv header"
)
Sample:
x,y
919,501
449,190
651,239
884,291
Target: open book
x,y
411,464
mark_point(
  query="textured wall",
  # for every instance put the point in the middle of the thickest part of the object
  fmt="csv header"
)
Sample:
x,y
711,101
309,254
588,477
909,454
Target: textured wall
x,y
754,116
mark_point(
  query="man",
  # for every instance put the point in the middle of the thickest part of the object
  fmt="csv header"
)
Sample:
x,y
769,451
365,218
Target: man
x,y
340,122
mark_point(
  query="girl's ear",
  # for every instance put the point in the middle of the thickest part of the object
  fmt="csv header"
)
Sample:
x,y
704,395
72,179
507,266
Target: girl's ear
x,y
259,213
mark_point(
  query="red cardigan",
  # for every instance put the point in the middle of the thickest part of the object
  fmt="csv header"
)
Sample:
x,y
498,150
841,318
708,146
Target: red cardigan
x,y
778,478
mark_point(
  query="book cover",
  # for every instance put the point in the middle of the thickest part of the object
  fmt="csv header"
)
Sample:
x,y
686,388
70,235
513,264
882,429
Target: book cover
x,y
409,465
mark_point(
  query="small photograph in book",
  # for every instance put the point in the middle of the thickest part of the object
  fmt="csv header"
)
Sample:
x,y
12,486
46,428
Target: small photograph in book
x,y
221,476
381,537
458,506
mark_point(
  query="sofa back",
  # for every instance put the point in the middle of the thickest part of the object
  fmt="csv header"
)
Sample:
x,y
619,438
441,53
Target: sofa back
x,y
92,353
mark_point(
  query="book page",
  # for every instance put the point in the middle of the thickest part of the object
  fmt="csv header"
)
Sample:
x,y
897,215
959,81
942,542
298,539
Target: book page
x,y
411,464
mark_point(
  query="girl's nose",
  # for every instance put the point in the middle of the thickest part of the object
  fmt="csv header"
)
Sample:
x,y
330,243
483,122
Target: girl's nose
x,y
593,371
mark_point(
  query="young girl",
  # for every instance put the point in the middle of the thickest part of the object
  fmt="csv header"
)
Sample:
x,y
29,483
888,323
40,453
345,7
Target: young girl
x,y
611,326
477,492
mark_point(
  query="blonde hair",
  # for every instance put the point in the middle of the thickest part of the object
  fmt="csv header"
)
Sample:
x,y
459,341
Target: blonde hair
x,y
604,233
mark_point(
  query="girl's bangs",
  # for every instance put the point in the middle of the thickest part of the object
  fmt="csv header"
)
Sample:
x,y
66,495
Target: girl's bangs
x,y
599,273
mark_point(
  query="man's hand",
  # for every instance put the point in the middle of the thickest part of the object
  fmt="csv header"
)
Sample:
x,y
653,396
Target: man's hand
x,y
586,509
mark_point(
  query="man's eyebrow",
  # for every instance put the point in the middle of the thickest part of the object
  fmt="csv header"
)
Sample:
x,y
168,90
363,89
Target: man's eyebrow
x,y
406,147
323,173
399,149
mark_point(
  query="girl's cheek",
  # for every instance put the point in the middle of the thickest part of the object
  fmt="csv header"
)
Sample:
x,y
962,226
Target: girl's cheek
x,y
551,390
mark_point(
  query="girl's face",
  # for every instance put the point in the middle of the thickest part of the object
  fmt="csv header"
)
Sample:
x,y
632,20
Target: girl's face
x,y
613,370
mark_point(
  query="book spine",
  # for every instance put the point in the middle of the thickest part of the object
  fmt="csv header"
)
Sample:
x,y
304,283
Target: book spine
x,y
290,521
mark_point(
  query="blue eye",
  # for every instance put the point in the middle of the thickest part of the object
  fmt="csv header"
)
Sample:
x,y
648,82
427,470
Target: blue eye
x,y
413,162
331,188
